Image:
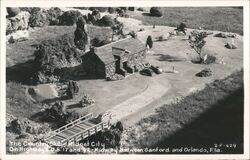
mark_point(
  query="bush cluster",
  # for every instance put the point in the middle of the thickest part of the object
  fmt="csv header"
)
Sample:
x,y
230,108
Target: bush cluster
x,y
156,11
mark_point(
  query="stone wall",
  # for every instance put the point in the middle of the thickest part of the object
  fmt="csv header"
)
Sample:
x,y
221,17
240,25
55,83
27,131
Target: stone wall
x,y
136,60
110,69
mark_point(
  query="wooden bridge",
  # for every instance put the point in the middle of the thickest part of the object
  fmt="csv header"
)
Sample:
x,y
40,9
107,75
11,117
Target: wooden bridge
x,y
75,131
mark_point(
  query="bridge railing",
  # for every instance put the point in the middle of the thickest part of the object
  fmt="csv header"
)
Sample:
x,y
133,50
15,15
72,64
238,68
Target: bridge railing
x,y
86,133
71,124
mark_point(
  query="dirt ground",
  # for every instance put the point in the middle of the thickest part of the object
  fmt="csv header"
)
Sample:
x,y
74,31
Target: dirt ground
x,y
185,81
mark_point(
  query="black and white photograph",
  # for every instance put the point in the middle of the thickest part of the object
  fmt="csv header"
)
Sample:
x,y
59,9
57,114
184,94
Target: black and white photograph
x,y
125,80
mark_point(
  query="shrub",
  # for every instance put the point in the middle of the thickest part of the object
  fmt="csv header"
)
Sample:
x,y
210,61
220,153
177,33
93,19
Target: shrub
x,y
131,8
84,8
13,11
101,9
54,55
181,28
53,14
30,9
38,18
119,126
111,10
111,138
156,11
69,18
140,9
56,113
149,42
71,116
106,21
86,101
96,14
124,8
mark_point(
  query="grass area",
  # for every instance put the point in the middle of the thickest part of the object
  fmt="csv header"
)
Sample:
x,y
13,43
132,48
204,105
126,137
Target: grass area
x,y
23,51
211,116
212,18
20,55
17,102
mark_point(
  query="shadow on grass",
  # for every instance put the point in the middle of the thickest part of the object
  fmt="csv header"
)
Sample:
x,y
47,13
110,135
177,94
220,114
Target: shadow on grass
x,y
76,105
147,14
24,72
21,72
222,124
169,58
62,98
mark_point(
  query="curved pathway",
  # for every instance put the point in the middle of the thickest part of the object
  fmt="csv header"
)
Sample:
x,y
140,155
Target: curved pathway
x,y
154,91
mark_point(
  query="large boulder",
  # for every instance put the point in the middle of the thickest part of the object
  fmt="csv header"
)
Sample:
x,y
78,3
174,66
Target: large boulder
x,y
221,35
230,45
22,126
106,20
204,73
39,18
17,36
13,11
54,56
18,22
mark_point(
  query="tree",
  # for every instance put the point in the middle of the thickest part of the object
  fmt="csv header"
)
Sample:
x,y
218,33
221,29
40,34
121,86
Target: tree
x,y
197,42
72,89
156,11
149,42
181,28
81,36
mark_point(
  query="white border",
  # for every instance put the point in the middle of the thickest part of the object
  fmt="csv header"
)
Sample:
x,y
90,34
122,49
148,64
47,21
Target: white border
x,y
67,3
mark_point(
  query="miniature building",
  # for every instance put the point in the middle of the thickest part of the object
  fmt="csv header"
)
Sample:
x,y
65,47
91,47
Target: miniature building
x,y
120,57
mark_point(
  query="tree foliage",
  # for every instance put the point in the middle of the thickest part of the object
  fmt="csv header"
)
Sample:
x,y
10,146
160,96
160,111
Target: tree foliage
x,y
156,11
149,42
72,89
197,41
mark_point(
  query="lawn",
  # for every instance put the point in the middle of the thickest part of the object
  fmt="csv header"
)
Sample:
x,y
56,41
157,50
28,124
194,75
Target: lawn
x,y
22,52
17,102
226,19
